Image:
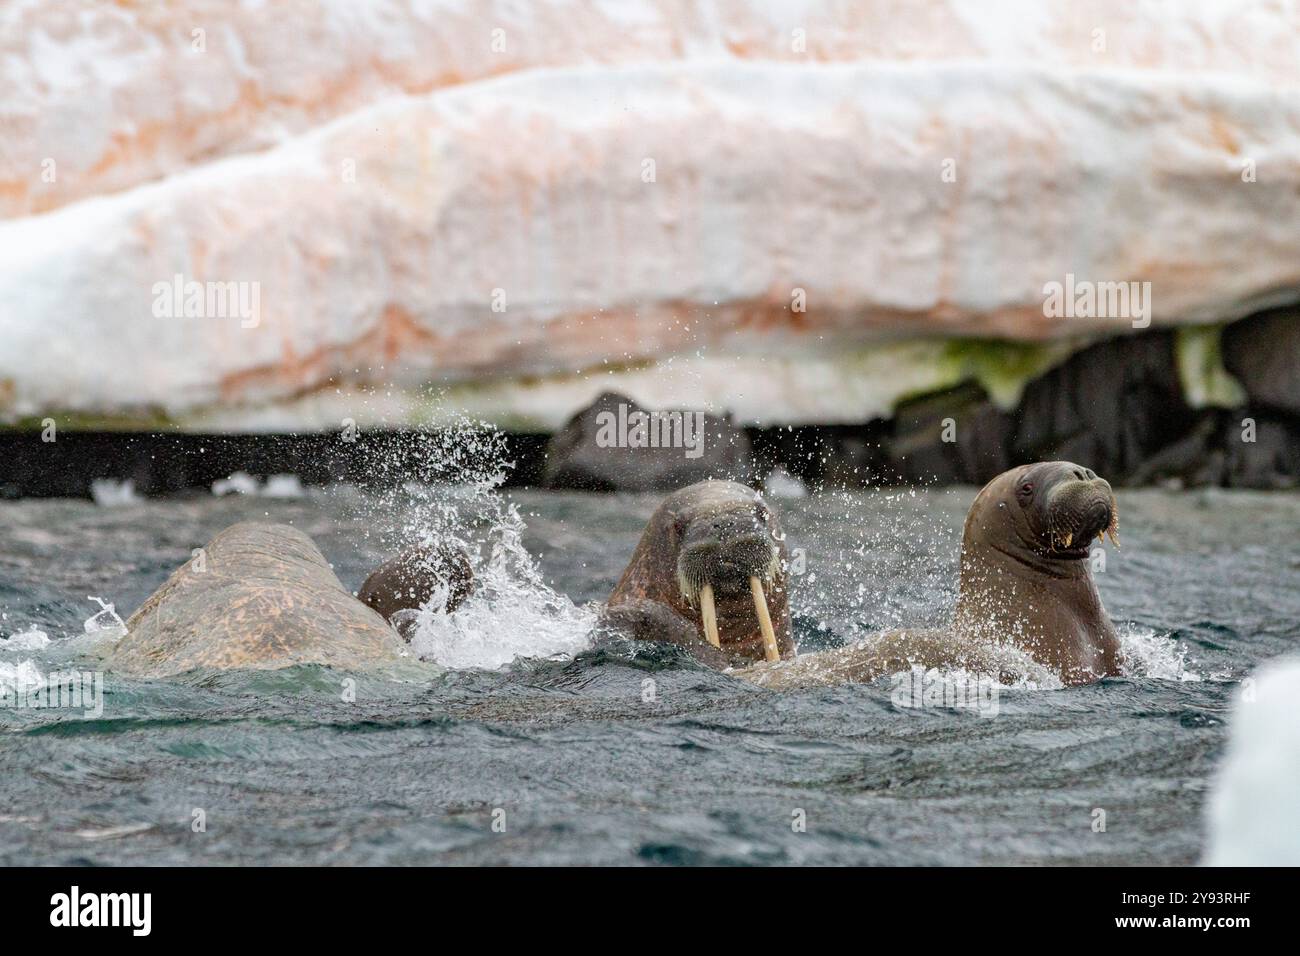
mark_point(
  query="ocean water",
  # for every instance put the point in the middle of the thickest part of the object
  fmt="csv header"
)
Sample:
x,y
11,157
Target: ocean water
x,y
525,745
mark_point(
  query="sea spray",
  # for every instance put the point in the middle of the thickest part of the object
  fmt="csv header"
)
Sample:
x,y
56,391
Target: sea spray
x,y
450,495
1145,652
837,559
512,612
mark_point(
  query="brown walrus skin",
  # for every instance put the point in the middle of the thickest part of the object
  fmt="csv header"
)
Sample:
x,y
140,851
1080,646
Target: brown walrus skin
x,y
408,581
1025,576
716,532
262,597
1026,592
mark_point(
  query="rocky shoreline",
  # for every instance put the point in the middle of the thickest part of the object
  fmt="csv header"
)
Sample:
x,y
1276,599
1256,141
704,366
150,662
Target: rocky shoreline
x,y
1122,406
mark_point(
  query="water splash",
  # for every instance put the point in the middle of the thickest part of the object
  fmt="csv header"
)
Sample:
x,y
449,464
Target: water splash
x,y
512,612
19,679
1145,652
451,497
854,539
32,639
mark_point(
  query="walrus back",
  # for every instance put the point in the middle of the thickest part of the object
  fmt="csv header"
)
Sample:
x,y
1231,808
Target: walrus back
x,y
258,596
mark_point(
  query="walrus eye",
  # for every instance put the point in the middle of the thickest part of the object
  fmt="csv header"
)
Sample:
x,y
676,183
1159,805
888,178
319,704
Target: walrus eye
x,y
1026,489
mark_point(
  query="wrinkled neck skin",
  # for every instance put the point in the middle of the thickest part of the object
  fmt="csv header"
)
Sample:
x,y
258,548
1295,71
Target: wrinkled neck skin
x,y
1014,591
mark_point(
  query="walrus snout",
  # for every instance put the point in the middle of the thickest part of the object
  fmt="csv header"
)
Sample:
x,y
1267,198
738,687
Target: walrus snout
x,y
725,551
727,566
1079,508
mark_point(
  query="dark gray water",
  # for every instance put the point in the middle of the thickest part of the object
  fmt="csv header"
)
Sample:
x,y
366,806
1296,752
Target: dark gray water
x,y
574,761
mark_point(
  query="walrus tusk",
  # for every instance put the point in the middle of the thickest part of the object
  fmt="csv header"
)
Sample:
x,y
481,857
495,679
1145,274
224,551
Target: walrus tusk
x,y
709,614
770,650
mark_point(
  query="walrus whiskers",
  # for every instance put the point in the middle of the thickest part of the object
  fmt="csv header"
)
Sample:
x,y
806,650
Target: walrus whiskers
x,y
689,581
709,615
770,649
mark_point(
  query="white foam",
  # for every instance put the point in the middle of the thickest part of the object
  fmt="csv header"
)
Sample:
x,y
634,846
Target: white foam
x,y
1145,652
29,640
17,679
511,614
1252,811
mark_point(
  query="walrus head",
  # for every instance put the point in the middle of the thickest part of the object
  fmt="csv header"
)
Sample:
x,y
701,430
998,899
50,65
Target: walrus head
x,y
410,580
1058,507
714,553
727,555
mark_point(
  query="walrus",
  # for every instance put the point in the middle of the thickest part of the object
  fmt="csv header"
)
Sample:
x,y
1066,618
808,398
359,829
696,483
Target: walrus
x,y
1025,574
409,581
262,596
709,573
1026,593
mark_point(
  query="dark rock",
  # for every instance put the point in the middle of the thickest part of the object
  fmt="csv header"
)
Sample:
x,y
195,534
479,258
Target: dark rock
x,y
164,463
1271,460
603,449
1243,448
1263,353
854,458
949,437
1192,461
824,456
1111,406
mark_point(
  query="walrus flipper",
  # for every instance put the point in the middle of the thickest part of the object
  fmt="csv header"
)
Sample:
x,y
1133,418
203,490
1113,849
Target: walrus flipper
x,y
891,652
646,620
258,596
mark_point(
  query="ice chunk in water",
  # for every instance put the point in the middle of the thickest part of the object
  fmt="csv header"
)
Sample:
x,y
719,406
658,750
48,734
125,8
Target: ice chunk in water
x,y
241,482
105,624
29,640
109,493
1252,809
282,486
781,484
